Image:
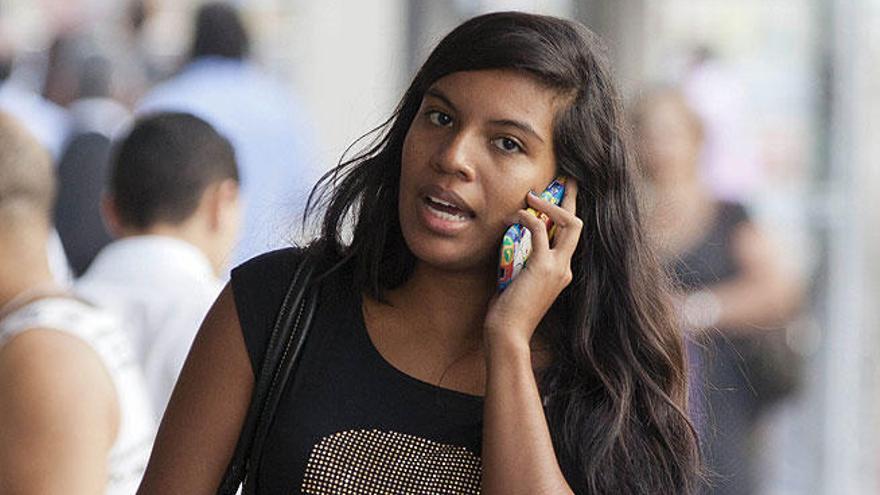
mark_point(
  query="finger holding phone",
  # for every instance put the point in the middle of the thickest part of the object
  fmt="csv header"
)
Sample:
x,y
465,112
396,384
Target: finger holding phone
x,y
516,310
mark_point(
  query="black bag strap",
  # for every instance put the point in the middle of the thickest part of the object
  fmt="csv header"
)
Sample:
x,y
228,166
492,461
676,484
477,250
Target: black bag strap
x,y
285,345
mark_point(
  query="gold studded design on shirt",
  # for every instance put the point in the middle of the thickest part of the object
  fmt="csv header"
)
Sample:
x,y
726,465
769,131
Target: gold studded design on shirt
x,y
380,462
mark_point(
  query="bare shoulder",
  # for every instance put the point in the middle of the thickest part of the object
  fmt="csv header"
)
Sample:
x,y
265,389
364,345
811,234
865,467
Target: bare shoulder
x,y
201,426
52,376
59,413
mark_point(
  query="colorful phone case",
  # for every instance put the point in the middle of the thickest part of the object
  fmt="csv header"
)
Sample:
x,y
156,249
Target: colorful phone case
x,y
516,245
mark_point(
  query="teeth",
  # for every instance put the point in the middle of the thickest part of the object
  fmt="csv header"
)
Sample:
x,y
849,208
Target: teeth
x,y
446,216
444,203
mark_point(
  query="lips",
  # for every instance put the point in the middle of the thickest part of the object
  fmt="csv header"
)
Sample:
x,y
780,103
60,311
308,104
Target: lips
x,y
443,212
447,202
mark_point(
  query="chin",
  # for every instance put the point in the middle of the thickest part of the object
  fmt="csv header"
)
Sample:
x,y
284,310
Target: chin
x,y
447,247
451,254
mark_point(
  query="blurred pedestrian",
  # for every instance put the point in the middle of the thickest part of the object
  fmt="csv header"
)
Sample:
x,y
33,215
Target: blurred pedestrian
x,y
49,124
173,203
74,409
265,123
136,27
47,121
737,291
96,117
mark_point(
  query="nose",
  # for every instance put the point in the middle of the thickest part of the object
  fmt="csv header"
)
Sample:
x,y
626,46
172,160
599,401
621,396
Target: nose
x,y
458,156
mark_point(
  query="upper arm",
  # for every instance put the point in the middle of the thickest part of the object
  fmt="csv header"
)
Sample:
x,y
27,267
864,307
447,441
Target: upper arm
x,y
201,426
753,251
59,415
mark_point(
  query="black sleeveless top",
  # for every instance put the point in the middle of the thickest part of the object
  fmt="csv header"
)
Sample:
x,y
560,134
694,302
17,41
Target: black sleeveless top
x,y
712,261
725,393
349,422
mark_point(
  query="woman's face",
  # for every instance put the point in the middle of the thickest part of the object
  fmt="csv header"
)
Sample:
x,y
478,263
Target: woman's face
x,y
479,142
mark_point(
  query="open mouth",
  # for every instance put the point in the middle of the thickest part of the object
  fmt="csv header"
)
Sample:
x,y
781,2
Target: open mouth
x,y
446,210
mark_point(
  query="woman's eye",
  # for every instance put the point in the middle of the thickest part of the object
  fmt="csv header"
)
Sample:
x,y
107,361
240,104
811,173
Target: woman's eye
x,y
439,118
507,144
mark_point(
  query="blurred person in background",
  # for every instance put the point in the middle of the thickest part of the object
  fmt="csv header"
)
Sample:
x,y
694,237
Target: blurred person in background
x,y
263,121
48,123
173,202
86,77
74,409
735,288
46,120
135,29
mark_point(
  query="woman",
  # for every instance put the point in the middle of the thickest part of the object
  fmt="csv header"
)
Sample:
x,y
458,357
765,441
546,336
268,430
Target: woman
x,y
74,408
735,287
418,377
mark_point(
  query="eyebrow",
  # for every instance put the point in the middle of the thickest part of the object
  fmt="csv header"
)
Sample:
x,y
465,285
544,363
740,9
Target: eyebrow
x,y
523,126
436,93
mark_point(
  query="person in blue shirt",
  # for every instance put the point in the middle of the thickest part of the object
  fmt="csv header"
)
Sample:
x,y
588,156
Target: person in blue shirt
x,y
262,118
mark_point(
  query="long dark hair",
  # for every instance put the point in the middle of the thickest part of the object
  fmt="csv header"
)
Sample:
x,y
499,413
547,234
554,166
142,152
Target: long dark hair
x,y
615,392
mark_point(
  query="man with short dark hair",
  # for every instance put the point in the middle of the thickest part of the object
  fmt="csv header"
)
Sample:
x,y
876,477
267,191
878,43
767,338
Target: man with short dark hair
x,y
173,202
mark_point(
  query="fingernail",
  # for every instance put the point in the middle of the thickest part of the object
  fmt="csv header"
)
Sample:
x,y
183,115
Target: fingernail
x,y
533,193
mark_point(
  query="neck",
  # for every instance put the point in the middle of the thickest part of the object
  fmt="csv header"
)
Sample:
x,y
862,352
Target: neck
x,y
185,232
24,264
452,305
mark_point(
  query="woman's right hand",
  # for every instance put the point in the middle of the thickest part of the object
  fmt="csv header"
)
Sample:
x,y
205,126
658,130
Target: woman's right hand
x,y
514,314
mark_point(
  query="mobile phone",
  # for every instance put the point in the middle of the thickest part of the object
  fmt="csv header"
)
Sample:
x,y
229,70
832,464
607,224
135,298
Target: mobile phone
x,y
516,245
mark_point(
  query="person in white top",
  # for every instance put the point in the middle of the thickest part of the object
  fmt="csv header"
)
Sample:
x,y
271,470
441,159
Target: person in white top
x,y
75,417
173,203
49,124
